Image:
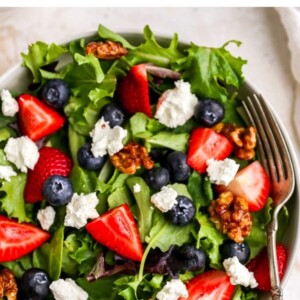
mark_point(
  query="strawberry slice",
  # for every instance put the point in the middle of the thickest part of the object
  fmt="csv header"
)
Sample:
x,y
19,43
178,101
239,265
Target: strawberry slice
x,y
52,161
117,230
205,143
133,91
260,267
251,183
19,239
36,119
211,285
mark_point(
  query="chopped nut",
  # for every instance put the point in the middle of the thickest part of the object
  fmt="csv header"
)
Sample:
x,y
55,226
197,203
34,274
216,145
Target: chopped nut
x,y
244,139
231,215
107,50
131,158
8,286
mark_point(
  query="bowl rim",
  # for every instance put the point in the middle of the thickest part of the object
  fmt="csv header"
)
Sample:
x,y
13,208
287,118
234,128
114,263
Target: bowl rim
x,y
132,34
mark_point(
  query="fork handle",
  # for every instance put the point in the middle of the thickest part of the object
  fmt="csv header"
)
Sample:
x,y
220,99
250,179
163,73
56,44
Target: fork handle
x,y
276,290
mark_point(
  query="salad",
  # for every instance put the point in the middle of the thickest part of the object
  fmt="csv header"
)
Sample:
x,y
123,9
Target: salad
x,y
128,171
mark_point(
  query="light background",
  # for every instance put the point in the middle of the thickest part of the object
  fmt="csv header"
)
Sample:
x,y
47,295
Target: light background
x,y
264,45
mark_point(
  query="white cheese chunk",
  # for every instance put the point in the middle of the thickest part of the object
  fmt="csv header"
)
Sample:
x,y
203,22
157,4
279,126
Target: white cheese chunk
x,y
67,290
177,105
165,199
6,172
221,171
173,290
238,273
105,139
136,188
80,209
46,217
22,152
9,104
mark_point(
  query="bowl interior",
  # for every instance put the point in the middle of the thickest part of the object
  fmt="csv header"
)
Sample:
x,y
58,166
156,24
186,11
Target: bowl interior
x,y
18,78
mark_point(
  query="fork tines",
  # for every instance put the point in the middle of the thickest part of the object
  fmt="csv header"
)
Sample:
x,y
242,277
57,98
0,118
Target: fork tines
x,y
272,150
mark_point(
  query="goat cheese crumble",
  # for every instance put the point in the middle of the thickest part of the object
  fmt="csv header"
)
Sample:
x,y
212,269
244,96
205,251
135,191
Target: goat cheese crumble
x,y
221,171
22,152
9,104
106,139
46,217
165,199
67,290
136,188
80,209
6,172
177,105
173,290
238,273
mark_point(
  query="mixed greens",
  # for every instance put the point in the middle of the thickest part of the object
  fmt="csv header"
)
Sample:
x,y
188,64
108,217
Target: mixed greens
x,y
72,253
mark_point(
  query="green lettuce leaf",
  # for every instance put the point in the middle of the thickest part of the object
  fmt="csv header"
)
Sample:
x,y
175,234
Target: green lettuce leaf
x,y
101,289
12,199
258,236
210,238
41,54
208,69
142,198
80,252
49,256
107,34
163,234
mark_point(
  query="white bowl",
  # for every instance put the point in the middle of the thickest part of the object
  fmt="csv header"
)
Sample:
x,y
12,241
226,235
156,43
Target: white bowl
x,y
18,78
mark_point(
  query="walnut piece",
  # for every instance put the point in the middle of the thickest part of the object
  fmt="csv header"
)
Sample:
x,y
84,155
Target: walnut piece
x,y
131,158
8,286
243,139
107,50
231,215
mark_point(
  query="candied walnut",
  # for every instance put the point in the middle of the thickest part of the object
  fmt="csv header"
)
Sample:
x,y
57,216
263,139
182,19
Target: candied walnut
x,y
107,50
231,215
8,286
243,139
131,158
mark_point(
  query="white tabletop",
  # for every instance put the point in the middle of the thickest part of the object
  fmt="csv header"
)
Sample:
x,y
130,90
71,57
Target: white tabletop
x,y
264,45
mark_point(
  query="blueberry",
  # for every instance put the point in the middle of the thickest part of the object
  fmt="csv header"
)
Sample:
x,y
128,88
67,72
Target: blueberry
x,y
56,93
34,284
178,167
230,248
113,114
209,112
87,160
182,212
57,190
157,177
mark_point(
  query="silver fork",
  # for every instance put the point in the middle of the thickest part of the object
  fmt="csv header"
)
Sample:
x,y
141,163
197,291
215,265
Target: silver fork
x,y
275,158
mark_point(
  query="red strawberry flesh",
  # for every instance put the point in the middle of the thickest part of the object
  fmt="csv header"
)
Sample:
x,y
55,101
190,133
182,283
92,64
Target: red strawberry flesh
x,y
251,183
36,119
133,91
210,285
205,143
260,267
52,161
19,239
116,229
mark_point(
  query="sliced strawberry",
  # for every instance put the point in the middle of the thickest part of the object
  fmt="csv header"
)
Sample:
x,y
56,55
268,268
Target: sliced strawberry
x,y
36,119
52,161
211,285
251,183
117,230
133,91
260,267
19,239
205,143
